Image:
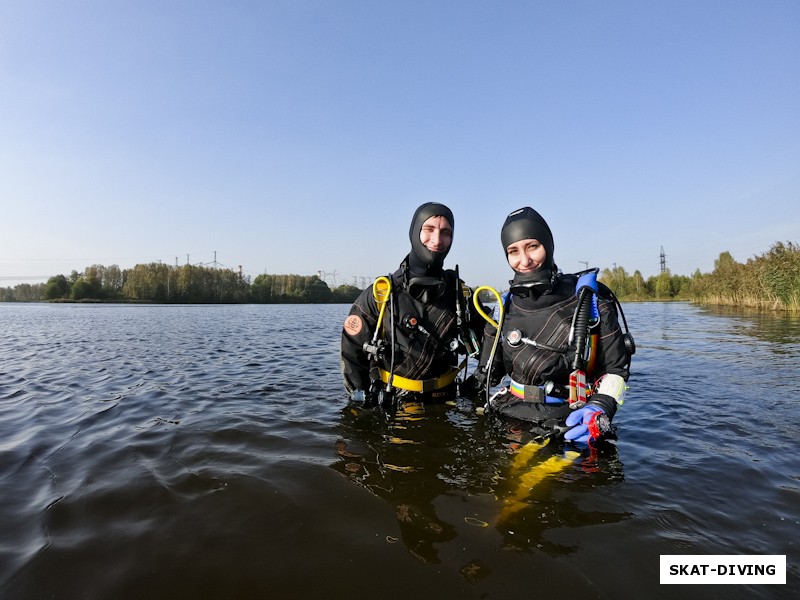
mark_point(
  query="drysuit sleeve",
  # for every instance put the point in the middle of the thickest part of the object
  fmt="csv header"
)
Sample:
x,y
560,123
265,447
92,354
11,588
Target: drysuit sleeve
x,y
358,328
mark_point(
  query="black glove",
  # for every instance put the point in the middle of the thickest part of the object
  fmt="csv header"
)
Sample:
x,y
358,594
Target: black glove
x,y
604,401
366,397
475,384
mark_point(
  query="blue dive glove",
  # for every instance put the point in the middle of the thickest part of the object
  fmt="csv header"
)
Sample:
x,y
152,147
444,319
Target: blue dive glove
x,y
588,424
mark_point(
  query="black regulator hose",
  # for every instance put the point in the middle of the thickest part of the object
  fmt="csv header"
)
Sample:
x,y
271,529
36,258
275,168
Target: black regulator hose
x,y
580,327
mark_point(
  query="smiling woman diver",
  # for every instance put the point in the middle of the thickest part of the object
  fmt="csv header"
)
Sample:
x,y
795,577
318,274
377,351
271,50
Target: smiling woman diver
x,y
560,341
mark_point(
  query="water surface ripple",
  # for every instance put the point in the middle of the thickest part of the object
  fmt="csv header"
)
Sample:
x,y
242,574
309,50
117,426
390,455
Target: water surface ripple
x,y
208,452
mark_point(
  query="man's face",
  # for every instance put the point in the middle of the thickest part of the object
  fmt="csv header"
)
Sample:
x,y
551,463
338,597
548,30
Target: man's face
x,y
436,234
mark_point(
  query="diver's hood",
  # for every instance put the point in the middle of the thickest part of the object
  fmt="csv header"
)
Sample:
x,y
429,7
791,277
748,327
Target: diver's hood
x,y
421,260
527,224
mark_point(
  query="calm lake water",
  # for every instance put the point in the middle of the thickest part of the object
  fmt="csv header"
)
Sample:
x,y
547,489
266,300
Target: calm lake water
x,y
209,452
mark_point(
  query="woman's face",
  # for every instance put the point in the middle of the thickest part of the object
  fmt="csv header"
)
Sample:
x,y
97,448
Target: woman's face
x,y
525,256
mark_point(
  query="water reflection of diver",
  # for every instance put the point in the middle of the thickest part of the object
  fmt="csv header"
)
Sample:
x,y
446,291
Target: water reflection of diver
x,y
427,452
414,456
403,336
534,486
561,342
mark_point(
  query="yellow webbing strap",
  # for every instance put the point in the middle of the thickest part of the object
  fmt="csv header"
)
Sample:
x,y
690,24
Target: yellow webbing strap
x,y
423,385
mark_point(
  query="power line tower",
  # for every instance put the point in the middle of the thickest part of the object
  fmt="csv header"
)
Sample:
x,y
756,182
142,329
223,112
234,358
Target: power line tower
x,y
327,276
663,261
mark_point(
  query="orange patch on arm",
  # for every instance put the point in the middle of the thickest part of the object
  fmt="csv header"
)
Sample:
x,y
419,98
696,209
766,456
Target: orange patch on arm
x,y
353,325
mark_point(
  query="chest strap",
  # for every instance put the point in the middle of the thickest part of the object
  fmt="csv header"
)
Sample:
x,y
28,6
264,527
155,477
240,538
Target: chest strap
x,y
423,385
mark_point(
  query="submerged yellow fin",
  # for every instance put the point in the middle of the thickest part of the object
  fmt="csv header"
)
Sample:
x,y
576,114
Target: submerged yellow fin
x,y
531,478
525,453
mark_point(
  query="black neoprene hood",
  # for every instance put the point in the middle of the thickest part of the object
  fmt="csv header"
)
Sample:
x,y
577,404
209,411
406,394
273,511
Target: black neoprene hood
x,y
525,224
422,214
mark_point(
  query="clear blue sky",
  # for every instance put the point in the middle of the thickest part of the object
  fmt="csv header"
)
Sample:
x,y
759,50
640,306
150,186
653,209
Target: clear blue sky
x,y
299,136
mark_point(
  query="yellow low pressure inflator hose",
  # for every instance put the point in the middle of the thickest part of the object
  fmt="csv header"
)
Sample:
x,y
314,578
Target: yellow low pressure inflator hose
x,y
496,324
479,308
381,291
381,288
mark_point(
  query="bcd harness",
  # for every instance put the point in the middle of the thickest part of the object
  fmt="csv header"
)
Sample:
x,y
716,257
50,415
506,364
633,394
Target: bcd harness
x,y
384,295
583,337
422,385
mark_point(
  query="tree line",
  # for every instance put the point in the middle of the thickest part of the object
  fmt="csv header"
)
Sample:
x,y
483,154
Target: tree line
x,y
771,280
187,284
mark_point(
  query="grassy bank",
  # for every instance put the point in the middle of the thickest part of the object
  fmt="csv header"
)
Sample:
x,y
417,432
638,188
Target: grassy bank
x,y
770,281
